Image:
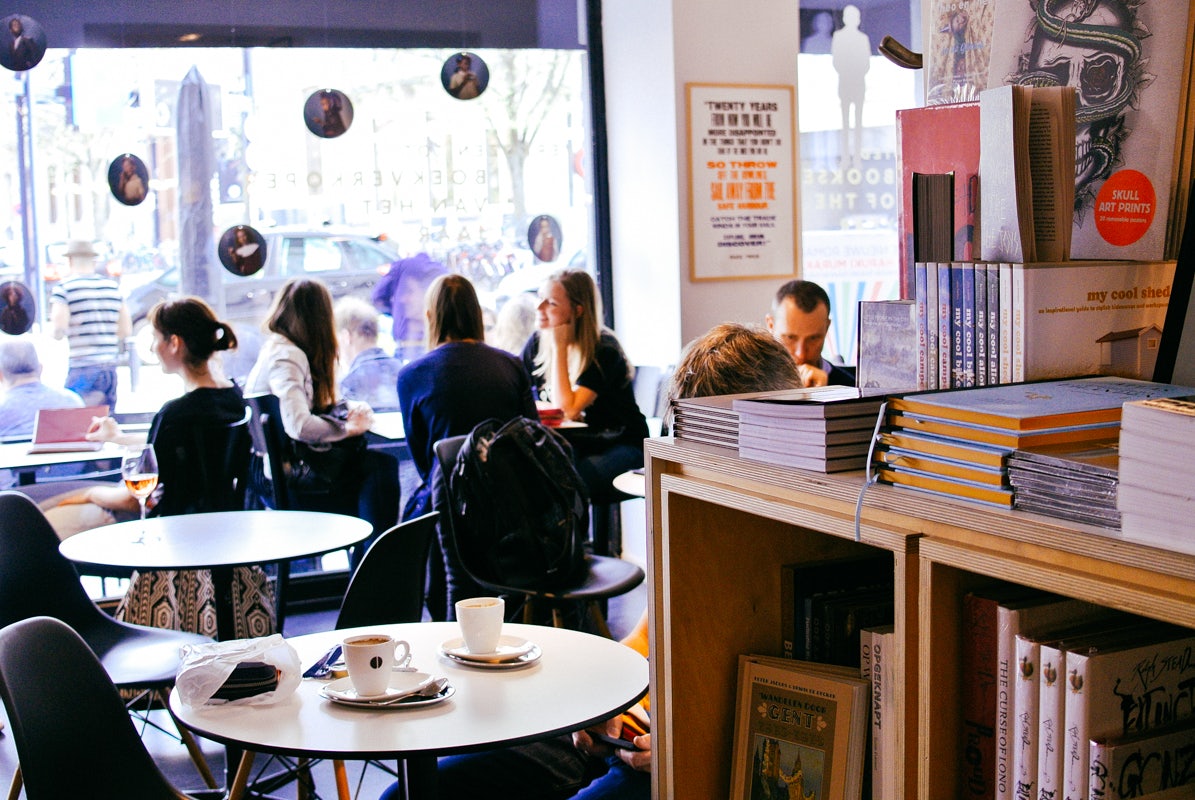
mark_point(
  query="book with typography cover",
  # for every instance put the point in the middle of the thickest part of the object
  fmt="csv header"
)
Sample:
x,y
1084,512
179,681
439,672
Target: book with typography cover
x,y
945,327
939,139
962,324
1037,406
1027,162
1088,318
1124,688
1142,764
890,355
1006,322
927,340
994,323
981,323
877,642
1124,60
799,727
931,327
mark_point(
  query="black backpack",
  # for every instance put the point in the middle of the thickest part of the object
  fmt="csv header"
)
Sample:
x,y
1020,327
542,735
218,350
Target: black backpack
x,y
521,510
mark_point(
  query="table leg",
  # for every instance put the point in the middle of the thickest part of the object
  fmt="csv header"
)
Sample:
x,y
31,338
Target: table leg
x,y
222,586
422,779
237,788
342,780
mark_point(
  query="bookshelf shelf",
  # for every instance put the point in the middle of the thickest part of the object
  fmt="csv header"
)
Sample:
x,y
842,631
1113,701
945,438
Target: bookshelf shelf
x,y
721,527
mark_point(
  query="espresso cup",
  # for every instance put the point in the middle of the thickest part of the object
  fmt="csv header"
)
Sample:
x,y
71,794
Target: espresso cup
x,y
480,619
370,659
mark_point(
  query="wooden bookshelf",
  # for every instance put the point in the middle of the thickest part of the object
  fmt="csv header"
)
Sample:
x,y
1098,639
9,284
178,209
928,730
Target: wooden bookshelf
x,y
720,528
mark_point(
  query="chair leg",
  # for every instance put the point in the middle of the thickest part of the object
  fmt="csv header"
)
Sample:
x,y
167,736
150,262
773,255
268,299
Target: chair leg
x,y
241,781
193,749
342,780
599,619
303,783
14,790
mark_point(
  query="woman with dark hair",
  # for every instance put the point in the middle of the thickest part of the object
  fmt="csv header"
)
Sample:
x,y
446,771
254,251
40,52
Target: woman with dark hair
x,y
458,383
297,364
579,367
187,337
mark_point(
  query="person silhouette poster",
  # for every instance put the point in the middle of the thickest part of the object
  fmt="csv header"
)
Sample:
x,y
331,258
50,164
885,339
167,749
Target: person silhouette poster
x,y
851,51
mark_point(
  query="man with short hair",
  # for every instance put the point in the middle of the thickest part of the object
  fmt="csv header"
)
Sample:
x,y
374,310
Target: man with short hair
x,y
800,320
88,310
372,375
24,393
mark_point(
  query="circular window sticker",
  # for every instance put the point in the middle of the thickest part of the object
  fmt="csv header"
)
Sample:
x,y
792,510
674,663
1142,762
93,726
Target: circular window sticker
x,y
129,179
23,43
464,76
17,310
242,250
328,113
544,237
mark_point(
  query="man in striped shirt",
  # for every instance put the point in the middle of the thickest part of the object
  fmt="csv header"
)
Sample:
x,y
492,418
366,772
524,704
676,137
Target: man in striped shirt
x,y
86,308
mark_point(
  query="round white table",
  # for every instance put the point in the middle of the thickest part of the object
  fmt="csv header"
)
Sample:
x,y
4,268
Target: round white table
x,y
217,541
580,680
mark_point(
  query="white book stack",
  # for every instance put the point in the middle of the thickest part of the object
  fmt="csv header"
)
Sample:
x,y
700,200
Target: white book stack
x,y
1157,440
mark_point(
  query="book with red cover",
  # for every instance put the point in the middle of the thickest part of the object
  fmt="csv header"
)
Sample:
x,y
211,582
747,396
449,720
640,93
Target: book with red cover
x,y
939,139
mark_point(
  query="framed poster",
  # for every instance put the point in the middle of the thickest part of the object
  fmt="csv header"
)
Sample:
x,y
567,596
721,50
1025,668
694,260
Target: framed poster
x,y
742,181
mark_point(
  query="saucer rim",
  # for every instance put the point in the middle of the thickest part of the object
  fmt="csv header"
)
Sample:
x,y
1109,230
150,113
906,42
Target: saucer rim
x,y
331,691
458,651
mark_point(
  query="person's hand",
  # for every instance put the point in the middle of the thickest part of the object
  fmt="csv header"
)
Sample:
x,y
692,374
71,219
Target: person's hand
x,y
102,429
81,497
562,335
359,419
638,759
813,376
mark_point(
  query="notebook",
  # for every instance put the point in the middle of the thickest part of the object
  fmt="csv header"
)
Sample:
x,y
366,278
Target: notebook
x,y
61,430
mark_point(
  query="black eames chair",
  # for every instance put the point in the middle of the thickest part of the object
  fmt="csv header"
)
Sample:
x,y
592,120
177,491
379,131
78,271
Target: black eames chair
x,y
73,735
606,577
37,580
388,584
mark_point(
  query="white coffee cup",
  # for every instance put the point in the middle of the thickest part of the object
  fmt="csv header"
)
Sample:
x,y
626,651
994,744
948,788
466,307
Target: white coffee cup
x,y
370,659
481,622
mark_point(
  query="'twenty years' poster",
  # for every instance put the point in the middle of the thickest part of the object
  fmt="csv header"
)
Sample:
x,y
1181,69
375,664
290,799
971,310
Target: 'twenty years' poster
x,y
742,187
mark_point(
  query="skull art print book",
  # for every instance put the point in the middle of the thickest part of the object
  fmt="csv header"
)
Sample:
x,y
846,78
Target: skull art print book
x,y
800,730
1126,60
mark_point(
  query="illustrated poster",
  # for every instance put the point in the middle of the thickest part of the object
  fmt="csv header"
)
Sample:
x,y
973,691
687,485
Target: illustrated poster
x,y
742,187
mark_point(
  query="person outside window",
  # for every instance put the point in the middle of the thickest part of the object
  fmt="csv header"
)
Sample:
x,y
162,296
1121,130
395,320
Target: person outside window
x,y
372,373
24,392
800,320
88,311
400,294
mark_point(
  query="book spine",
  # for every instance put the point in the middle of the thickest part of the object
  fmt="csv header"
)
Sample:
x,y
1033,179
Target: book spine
x,y
893,773
1006,649
920,289
945,349
958,364
993,290
1005,323
1142,767
879,658
865,671
1018,322
931,326
787,612
978,664
981,324
1076,741
1050,710
1025,706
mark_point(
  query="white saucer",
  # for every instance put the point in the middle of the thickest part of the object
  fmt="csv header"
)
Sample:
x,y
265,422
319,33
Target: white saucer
x,y
410,702
510,648
401,683
515,657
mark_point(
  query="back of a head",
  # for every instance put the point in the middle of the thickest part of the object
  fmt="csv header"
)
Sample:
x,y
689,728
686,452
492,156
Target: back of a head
x,y
302,312
454,312
357,317
731,359
195,323
18,359
515,324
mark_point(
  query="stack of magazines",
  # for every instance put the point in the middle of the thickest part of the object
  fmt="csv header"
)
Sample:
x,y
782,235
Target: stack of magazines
x,y
1157,503
1069,481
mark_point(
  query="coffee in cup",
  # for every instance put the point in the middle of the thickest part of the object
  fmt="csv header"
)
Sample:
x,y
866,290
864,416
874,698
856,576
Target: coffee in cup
x,y
370,659
481,619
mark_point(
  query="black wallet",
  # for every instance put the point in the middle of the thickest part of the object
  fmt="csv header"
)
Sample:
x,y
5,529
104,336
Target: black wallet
x,y
247,679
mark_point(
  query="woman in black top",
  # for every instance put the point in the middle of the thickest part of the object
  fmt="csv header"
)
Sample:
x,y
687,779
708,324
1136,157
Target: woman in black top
x,y
579,367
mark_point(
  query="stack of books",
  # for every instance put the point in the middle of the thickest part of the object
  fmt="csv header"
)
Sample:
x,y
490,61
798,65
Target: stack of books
x,y
1155,499
706,420
960,440
826,429
1076,481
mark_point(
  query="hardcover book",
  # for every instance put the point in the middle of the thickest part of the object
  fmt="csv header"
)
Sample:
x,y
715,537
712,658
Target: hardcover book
x,y
944,448
883,731
802,580
939,139
799,728
890,355
1144,763
1125,141
1000,437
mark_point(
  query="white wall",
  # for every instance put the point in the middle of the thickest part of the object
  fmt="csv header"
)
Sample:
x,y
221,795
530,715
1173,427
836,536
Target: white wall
x,y
652,49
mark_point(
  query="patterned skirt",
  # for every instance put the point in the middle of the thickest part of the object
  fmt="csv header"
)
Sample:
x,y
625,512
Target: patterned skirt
x,y
185,600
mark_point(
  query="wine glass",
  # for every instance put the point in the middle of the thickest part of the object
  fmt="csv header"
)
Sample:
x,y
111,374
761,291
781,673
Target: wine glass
x,y
139,468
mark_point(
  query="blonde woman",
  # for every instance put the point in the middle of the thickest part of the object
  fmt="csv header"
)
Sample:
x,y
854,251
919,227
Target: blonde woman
x,y
578,366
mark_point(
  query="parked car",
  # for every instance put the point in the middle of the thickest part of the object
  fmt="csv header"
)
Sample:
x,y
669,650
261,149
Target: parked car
x,y
350,264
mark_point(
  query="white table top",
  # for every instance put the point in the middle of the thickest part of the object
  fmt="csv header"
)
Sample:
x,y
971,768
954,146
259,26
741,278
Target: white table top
x,y
580,680
219,539
631,482
388,425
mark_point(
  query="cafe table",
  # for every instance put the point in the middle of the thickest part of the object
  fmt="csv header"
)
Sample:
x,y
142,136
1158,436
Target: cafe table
x,y
219,541
15,456
579,680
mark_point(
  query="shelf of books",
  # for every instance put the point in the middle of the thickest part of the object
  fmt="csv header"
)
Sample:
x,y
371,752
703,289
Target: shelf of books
x,y
737,548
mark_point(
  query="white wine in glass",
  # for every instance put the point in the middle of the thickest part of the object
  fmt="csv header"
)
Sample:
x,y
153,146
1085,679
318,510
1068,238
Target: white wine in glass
x,y
139,468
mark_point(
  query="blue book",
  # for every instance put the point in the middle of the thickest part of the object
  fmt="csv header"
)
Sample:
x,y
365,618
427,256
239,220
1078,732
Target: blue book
x,y
981,324
931,326
945,350
919,294
993,289
962,324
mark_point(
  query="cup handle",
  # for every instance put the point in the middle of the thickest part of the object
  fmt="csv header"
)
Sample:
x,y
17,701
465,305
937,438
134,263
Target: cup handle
x,y
402,662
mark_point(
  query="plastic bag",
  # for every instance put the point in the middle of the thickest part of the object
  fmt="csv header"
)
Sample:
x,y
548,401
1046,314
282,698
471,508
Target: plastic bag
x,y
205,668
